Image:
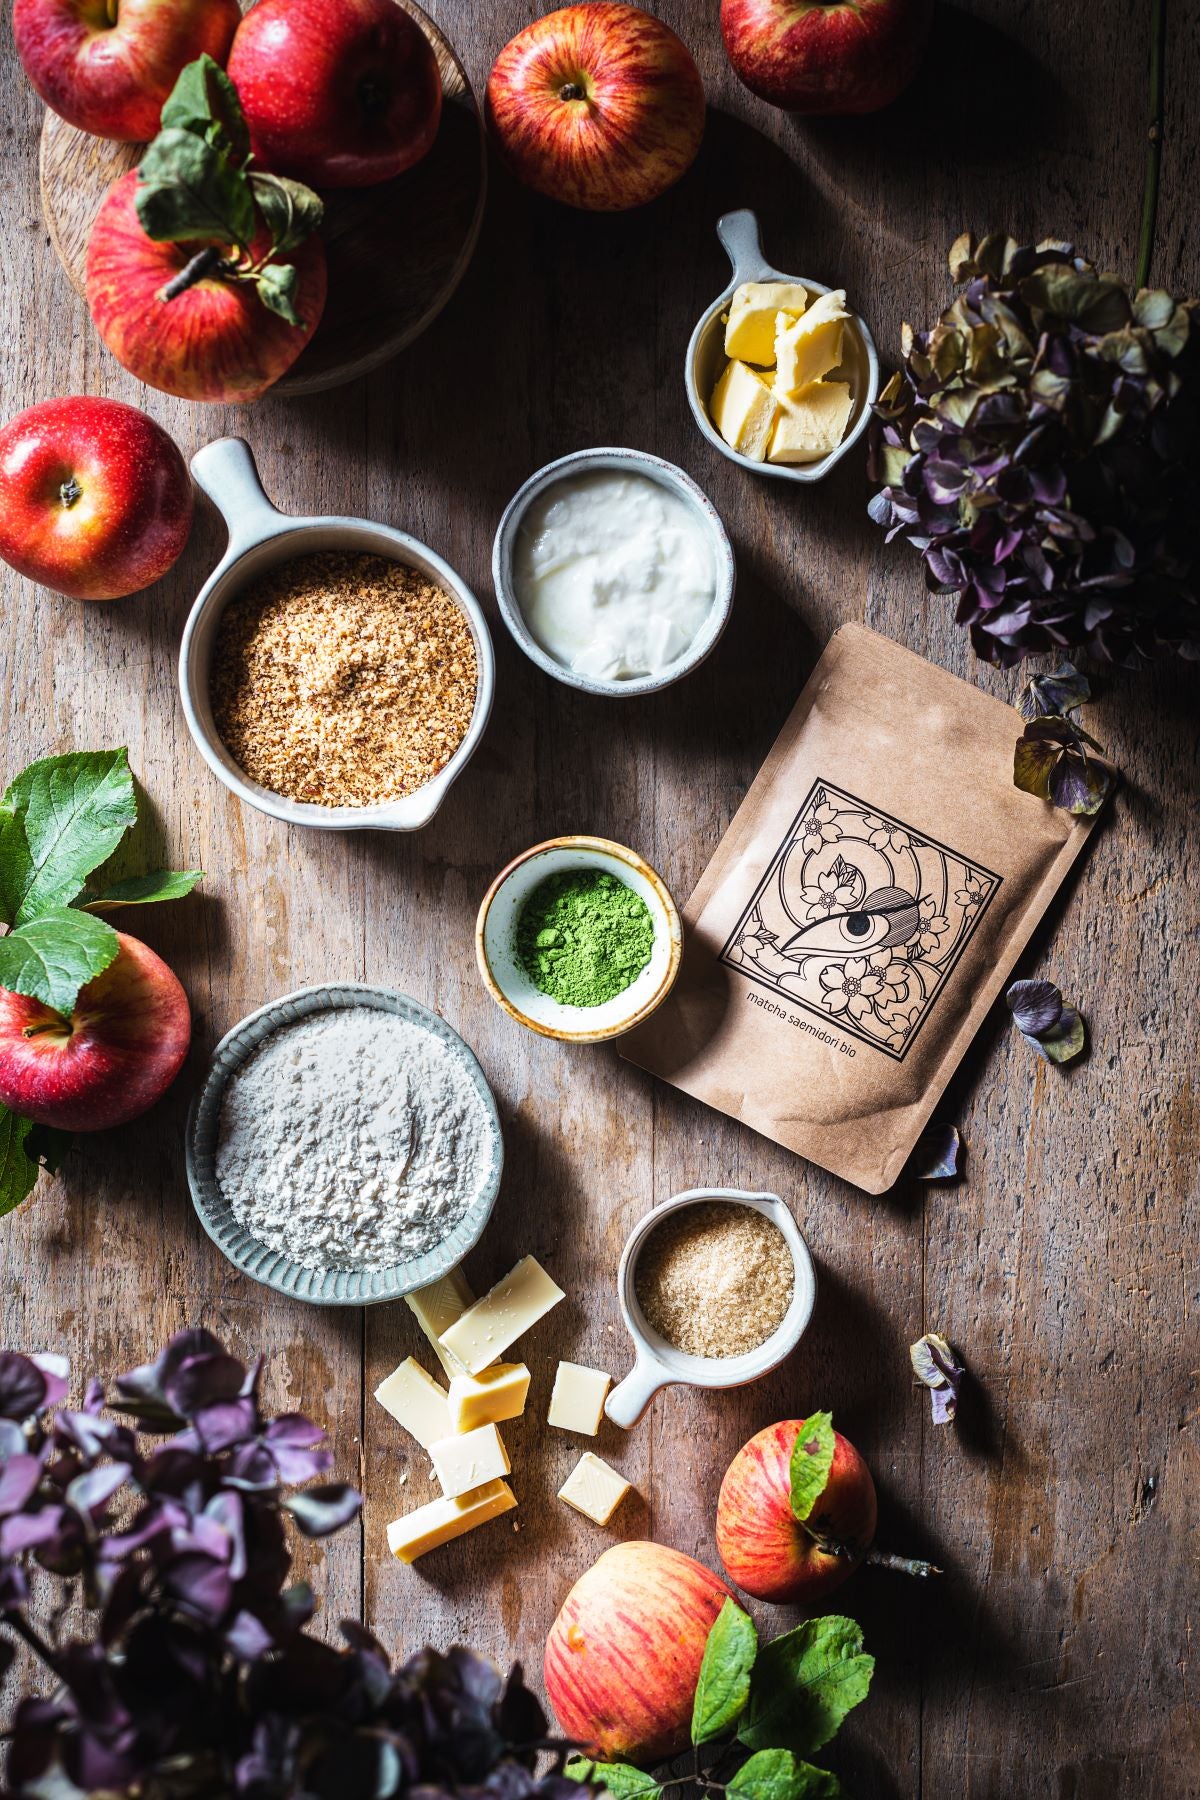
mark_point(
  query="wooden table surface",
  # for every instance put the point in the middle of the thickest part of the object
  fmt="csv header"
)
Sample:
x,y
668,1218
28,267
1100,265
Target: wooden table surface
x,y
1054,1658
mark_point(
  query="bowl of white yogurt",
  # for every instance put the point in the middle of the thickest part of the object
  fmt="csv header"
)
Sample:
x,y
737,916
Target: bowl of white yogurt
x,y
613,571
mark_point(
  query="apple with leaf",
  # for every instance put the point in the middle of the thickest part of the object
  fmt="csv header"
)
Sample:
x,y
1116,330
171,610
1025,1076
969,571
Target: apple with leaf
x,y
94,1026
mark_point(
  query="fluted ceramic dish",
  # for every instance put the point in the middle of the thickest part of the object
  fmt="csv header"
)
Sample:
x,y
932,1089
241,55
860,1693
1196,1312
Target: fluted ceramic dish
x,y
658,1364
260,537
739,235
328,1287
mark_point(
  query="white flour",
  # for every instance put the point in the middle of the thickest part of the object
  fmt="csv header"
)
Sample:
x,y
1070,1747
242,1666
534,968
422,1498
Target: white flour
x,y
352,1139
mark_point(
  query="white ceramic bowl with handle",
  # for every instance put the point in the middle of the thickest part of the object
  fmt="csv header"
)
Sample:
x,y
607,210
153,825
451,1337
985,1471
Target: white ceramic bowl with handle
x,y
260,537
658,1364
739,235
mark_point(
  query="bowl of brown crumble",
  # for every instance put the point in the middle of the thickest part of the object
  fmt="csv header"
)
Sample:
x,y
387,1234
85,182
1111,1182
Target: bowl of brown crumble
x,y
334,672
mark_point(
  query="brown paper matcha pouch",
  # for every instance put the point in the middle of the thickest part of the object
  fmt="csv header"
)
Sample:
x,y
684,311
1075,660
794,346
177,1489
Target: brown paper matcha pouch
x,y
861,914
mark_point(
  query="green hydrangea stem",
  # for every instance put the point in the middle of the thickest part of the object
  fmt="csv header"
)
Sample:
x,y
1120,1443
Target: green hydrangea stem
x,y
1158,37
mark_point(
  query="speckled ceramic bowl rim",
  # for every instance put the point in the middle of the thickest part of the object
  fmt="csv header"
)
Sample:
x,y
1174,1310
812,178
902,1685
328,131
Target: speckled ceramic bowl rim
x,y
328,1287
632,860
670,476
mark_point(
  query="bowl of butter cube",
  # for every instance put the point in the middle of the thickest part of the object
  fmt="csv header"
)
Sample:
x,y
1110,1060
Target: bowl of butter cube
x,y
781,373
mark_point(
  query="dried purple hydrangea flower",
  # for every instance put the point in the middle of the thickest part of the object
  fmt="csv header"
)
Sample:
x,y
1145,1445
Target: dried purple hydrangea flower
x,y
936,1156
1041,448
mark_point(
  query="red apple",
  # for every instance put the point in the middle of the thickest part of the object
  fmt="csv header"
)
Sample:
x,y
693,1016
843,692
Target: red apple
x,y
119,1051
765,1548
623,1656
338,93
826,56
95,499
215,340
108,65
599,105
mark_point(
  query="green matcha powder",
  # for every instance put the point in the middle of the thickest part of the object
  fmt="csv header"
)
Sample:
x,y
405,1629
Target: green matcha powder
x,y
583,937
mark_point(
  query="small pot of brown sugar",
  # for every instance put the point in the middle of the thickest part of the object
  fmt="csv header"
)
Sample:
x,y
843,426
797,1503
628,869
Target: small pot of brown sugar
x,y
716,1288
334,672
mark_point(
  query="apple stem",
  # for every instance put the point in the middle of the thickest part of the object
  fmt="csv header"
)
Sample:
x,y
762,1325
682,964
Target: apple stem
x,y
111,9
902,1565
69,492
202,264
55,1024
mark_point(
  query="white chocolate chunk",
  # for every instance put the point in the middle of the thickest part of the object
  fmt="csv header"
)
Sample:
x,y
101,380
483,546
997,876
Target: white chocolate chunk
x,y
486,1329
594,1489
442,1520
437,1307
495,1394
470,1459
577,1403
417,1402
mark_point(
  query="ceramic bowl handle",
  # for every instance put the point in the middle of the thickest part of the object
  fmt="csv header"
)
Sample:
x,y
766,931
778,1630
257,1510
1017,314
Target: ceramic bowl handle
x,y
630,1398
225,471
738,232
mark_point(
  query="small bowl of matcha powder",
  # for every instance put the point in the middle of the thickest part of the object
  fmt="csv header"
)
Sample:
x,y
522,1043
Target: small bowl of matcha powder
x,y
579,939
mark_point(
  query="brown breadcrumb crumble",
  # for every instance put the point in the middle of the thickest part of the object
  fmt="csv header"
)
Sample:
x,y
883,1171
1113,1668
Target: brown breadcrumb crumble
x,y
715,1279
343,680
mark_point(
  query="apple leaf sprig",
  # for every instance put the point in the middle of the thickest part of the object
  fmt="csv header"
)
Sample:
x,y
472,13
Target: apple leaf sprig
x,y
1051,759
781,1702
61,821
197,184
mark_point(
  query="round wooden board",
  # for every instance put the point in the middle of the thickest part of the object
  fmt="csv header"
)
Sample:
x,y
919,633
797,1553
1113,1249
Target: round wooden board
x,y
396,251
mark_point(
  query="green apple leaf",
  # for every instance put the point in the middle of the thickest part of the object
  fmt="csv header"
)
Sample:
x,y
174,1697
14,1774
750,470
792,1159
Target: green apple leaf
x,y
55,955
59,820
277,284
189,191
290,210
18,1170
724,1683
778,1775
205,102
621,1780
142,890
812,1459
804,1684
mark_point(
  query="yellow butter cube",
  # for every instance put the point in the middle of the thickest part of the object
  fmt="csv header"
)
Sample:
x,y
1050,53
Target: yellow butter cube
x,y
807,348
594,1489
442,1520
505,1313
811,424
437,1307
743,409
750,325
488,1398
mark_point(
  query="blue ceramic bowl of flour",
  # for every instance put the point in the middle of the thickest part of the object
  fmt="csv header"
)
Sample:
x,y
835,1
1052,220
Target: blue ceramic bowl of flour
x,y
339,1286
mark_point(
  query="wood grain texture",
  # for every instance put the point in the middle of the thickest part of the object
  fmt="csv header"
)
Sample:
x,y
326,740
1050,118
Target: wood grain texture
x,y
1052,1663
396,251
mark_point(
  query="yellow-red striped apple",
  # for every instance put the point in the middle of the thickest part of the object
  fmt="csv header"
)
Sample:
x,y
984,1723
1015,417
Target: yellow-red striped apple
x,y
599,105
826,56
623,1656
764,1547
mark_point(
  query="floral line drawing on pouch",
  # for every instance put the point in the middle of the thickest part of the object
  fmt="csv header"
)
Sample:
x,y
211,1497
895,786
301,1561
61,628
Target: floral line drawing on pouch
x,y
860,919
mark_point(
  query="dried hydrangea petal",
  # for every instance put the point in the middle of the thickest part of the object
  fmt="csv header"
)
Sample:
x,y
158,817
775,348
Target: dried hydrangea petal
x,y
1052,696
1036,1006
938,1367
936,1155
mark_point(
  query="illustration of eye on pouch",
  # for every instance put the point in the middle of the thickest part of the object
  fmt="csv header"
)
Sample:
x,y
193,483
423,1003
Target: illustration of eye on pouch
x,y
861,914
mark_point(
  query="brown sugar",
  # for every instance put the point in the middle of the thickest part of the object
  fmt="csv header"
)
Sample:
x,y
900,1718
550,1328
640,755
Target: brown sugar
x,y
342,679
715,1279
